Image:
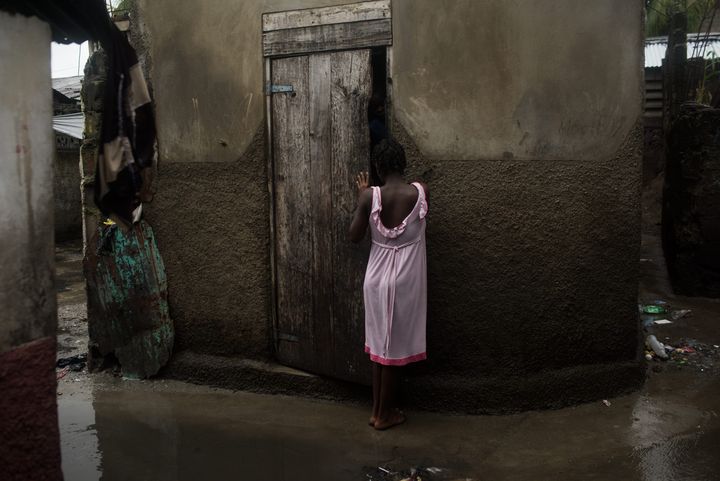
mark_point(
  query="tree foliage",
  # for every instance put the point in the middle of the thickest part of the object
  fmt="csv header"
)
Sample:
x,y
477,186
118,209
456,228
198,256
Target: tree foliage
x,y
657,21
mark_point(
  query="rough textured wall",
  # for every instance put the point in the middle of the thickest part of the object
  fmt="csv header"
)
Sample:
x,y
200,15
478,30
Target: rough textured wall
x,y
526,124
211,211
68,205
529,133
30,447
531,265
211,222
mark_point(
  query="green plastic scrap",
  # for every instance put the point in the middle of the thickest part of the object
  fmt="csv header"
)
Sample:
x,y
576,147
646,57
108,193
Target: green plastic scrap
x,y
654,309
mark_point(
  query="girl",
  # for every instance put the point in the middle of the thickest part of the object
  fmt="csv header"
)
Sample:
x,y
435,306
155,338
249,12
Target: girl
x,y
395,287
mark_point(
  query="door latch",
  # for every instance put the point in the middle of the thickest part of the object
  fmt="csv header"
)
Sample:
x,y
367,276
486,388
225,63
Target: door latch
x,y
278,89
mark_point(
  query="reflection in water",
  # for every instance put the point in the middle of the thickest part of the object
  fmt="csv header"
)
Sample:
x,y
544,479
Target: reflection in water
x,y
143,431
166,436
137,435
80,454
674,441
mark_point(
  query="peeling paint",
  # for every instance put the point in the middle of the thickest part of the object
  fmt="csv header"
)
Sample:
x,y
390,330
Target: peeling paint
x,y
127,289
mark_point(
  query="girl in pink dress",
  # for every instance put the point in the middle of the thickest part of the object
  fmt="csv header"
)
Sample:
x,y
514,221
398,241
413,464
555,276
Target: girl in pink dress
x,y
395,287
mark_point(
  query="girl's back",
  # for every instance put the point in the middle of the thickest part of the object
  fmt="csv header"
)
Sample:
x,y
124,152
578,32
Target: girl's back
x,y
398,201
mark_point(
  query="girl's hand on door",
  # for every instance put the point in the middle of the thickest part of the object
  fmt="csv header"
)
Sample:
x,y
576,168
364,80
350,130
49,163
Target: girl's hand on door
x,y
362,181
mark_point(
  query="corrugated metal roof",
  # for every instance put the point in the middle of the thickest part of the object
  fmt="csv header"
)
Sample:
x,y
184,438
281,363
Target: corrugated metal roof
x,y
70,124
68,86
655,47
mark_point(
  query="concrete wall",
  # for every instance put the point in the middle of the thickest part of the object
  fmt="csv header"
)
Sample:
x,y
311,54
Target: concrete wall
x,y
68,208
30,448
526,80
524,117
211,211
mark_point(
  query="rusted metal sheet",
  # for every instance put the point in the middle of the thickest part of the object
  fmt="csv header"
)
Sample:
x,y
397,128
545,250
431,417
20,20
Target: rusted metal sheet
x,y
128,312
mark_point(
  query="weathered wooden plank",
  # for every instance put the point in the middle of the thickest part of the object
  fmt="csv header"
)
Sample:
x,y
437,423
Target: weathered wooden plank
x,y
271,191
324,38
354,12
320,139
293,221
351,83
321,198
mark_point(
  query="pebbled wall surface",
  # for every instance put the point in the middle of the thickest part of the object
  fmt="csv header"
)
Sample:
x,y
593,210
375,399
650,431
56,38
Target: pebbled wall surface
x,y
525,123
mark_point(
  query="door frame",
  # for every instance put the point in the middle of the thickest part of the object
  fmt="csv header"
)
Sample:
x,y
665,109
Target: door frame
x,y
357,25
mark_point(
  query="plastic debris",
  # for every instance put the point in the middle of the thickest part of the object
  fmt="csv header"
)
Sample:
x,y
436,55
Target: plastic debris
x,y
654,309
656,346
661,322
417,473
74,363
607,403
679,314
62,373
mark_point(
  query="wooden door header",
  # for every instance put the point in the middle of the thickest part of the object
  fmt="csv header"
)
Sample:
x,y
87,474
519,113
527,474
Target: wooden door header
x,y
341,27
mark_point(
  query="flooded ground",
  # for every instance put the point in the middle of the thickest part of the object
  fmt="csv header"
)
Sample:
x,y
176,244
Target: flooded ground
x,y
114,429
162,430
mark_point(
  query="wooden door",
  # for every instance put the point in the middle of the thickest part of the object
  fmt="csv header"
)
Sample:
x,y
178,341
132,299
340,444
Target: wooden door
x,y
320,140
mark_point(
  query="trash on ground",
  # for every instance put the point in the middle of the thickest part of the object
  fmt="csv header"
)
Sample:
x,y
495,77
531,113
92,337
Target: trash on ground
x,y
654,309
74,363
661,322
62,373
657,347
679,314
686,353
607,403
397,473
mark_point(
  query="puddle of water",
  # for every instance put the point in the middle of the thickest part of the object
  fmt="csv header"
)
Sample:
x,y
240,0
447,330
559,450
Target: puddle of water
x,y
81,459
172,431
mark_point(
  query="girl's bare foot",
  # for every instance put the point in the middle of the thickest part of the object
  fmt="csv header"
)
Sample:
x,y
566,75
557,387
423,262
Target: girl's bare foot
x,y
372,421
395,418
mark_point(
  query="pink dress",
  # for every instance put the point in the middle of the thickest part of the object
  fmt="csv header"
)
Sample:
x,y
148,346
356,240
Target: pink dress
x,y
395,287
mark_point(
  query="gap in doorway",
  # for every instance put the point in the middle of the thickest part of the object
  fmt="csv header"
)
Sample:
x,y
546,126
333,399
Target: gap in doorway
x,y
377,108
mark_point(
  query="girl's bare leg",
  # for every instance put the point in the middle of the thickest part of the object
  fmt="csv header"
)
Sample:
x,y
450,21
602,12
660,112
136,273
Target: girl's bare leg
x,y
389,415
376,381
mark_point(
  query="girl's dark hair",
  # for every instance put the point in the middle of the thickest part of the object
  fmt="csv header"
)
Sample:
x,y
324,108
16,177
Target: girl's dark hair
x,y
389,156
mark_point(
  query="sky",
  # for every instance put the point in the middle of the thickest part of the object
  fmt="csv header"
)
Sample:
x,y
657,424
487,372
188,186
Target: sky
x,y
64,59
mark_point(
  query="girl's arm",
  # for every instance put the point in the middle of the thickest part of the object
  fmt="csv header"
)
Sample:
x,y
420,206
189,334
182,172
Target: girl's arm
x,y
362,211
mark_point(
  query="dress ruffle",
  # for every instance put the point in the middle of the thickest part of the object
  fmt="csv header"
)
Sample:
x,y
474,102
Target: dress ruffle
x,y
396,231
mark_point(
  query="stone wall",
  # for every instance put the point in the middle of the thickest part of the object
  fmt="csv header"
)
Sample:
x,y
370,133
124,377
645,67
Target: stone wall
x,y
68,203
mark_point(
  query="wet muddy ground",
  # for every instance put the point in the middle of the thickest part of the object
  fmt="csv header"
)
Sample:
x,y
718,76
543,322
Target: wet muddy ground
x,y
115,429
